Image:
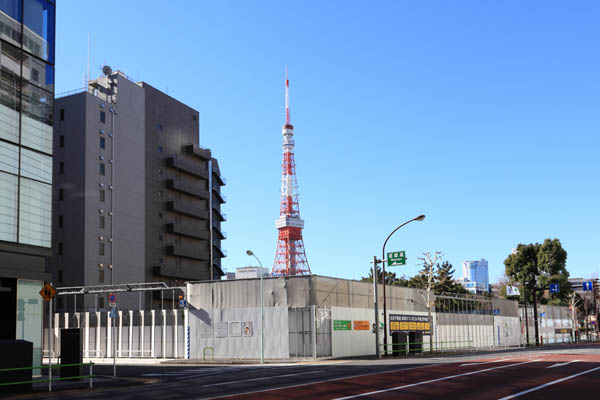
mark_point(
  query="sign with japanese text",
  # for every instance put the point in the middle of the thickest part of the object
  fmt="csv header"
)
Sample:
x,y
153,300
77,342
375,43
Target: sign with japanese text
x,y
416,323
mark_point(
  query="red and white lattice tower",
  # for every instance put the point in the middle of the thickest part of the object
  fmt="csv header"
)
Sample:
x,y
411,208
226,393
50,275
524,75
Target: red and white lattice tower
x,y
290,258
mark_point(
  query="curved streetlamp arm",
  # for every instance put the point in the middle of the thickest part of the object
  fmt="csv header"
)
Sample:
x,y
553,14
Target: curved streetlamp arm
x,y
419,218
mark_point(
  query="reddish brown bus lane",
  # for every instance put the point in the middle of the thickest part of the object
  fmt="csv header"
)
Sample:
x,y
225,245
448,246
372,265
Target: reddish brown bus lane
x,y
541,375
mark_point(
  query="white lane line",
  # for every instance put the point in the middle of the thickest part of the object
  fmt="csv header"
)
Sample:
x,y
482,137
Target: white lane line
x,y
323,381
433,380
512,396
561,364
263,378
486,362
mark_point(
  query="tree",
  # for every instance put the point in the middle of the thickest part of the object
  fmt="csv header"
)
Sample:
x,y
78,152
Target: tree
x,y
390,278
444,280
538,265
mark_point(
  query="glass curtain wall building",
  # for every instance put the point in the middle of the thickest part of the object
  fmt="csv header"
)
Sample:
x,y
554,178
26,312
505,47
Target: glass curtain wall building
x,y
27,36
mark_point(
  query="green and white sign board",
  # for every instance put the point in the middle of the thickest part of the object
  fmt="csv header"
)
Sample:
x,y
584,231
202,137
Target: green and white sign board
x,y
341,325
396,258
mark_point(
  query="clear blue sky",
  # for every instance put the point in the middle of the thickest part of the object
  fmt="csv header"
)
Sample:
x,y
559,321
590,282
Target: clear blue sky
x,y
482,115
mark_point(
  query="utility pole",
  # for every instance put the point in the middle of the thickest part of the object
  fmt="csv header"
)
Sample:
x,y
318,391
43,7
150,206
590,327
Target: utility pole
x,y
376,306
526,316
535,317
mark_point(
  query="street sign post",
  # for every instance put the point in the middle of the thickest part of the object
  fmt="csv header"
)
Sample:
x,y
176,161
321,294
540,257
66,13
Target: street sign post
x,y
396,258
48,292
588,286
554,288
112,300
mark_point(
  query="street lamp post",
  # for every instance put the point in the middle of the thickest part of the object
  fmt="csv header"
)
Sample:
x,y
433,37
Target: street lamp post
x,y
262,309
419,218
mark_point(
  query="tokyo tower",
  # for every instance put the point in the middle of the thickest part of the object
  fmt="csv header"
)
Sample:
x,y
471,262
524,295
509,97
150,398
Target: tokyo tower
x,y
290,258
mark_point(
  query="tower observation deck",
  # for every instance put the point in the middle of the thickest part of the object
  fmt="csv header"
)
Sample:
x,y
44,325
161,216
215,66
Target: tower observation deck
x,y
290,257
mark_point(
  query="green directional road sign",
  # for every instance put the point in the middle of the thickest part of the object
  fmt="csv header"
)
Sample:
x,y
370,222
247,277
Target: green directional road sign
x,y
396,258
340,325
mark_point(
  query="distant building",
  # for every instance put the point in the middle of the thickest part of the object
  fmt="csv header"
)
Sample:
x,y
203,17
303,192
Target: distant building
x,y
250,272
475,276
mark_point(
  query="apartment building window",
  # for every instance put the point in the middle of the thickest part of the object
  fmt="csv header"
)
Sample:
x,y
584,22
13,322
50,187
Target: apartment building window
x,y
60,221
62,114
61,141
61,168
100,276
102,169
101,222
60,248
100,302
102,195
100,249
61,194
102,116
102,143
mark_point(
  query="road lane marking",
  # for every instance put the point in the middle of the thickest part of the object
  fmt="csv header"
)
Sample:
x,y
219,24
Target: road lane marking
x,y
433,380
561,364
317,382
512,396
263,378
486,362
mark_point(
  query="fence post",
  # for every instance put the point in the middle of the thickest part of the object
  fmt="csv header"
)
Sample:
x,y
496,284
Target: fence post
x,y
91,376
314,330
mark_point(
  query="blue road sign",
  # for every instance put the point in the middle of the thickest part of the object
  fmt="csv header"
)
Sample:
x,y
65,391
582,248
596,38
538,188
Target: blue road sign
x,y
554,288
542,314
113,313
588,286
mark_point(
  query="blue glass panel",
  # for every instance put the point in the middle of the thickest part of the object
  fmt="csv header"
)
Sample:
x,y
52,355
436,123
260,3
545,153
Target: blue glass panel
x,y
12,8
10,21
38,34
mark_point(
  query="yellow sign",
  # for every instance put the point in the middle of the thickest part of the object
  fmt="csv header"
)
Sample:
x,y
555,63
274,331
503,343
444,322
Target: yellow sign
x,y
403,326
404,322
395,326
48,292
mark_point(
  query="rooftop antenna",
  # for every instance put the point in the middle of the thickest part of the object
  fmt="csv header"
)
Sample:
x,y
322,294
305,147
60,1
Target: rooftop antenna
x,y
287,97
87,77
106,70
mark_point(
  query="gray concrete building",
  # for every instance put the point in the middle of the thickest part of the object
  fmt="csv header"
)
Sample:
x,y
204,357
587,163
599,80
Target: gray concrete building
x,y
137,198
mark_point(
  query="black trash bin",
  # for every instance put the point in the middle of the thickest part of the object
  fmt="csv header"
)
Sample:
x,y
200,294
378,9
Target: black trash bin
x,y
16,354
71,352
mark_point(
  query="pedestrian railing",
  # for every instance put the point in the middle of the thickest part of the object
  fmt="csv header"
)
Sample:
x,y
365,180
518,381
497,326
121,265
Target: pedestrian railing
x,y
50,379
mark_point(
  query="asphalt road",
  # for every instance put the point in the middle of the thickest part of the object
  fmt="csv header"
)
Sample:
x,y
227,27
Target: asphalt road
x,y
560,373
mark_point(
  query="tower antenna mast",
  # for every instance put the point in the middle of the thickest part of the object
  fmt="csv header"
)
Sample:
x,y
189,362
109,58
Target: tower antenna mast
x,y
290,257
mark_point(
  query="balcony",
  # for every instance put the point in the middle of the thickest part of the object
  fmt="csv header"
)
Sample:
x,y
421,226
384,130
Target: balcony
x,y
221,252
219,232
220,179
195,254
188,188
187,230
220,197
196,151
187,209
220,214
187,166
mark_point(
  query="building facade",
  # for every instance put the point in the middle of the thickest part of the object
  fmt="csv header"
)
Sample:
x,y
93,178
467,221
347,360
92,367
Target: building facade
x,y
26,116
475,276
133,200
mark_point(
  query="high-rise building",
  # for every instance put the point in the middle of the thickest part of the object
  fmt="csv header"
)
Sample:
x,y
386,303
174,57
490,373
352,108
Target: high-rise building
x,y
475,276
137,198
26,101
